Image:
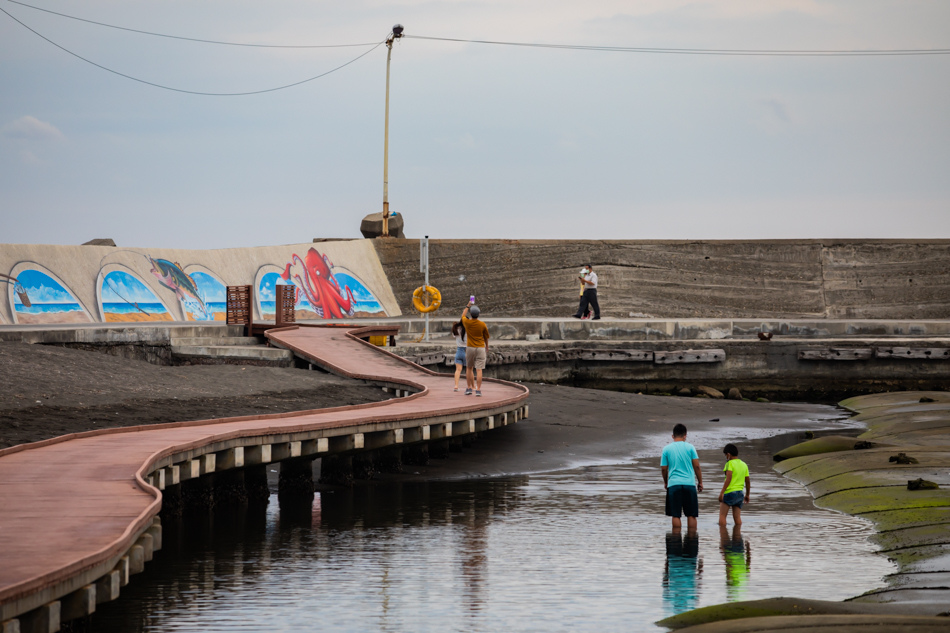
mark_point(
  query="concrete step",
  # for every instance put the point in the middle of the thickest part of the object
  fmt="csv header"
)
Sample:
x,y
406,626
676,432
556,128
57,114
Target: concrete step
x,y
232,353
215,341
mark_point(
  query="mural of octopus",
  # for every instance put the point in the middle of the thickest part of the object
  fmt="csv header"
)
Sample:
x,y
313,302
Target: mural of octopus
x,y
314,277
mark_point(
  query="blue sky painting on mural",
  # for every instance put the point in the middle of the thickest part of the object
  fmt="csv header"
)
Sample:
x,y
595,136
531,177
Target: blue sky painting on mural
x,y
213,295
126,298
51,301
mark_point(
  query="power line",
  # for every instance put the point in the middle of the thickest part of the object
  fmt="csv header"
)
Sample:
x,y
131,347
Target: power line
x,y
704,51
179,37
191,92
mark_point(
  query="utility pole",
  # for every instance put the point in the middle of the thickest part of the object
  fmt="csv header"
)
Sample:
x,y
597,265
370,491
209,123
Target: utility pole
x,y
397,33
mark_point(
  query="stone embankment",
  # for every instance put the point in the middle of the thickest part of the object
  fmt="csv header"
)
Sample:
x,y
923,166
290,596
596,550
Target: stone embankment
x,y
762,279
897,475
811,360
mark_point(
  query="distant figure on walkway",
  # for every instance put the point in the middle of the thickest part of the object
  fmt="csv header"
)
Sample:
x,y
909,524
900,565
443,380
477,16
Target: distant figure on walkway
x,y
682,476
476,348
458,331
589,296
737,477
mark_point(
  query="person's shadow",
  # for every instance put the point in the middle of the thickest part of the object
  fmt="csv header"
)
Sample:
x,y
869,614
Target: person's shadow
x,y
737,555
682,571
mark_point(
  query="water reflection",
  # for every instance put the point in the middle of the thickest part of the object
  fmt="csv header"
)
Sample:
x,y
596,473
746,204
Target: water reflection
x,y
682,571
737,556
578,550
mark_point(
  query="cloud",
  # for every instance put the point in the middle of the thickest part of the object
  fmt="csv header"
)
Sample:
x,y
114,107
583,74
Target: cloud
x,y
30,128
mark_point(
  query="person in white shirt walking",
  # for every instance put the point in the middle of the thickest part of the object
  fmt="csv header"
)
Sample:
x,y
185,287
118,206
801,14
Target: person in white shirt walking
x,y
589,298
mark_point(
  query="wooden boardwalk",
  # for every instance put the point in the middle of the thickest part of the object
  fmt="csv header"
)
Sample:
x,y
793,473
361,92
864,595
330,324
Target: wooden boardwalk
x,y
74,509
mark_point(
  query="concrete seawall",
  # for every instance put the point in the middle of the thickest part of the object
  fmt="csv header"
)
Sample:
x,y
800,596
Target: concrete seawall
x,y
847,279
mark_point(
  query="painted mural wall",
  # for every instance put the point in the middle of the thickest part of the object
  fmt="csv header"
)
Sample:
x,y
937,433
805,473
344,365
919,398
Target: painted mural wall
x,y
49,284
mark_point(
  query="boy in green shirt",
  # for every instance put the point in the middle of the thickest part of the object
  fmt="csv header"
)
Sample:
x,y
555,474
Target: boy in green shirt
x,y
737,477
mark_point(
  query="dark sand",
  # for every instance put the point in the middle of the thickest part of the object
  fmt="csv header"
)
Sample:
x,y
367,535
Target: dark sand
x,y
50,391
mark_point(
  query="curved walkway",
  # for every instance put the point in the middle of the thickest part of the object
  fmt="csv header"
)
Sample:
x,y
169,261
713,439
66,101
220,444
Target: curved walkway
x,y
73,509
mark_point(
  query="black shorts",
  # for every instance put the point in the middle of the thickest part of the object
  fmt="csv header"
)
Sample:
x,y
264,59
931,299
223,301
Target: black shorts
x,y
682,500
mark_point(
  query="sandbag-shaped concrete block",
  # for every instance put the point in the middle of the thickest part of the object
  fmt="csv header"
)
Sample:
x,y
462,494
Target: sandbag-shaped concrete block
x,y
827,444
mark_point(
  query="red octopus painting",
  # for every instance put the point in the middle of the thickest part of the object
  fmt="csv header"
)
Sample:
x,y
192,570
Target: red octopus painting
x,y
313,277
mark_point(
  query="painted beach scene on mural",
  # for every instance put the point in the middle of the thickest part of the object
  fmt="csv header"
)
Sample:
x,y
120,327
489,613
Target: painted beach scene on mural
x,y
125,298
50,301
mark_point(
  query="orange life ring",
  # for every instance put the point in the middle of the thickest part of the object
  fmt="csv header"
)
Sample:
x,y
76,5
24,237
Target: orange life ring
x,y
424,295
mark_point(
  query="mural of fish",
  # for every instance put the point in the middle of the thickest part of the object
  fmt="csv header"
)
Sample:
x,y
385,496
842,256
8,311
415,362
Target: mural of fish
x,y
171,275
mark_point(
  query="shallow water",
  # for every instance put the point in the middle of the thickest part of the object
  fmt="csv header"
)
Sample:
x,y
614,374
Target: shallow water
x,y
580,550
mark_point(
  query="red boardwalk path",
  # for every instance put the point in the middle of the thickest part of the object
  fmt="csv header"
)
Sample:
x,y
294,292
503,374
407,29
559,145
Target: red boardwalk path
x,y
78,514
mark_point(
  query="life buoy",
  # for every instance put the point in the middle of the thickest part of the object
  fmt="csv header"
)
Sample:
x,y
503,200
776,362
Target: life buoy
x,y
430,293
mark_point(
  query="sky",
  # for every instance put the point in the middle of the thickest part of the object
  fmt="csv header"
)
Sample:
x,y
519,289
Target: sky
x,y
486,141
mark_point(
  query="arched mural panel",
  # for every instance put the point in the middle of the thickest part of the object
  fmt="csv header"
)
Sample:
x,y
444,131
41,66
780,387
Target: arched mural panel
x,y
124,298
323,291
213,294
45,298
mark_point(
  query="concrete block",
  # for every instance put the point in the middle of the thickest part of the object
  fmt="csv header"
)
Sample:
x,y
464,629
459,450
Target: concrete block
x,y
136,559
836,353
256,455
172,475
524,415
148,546
312,447
913,353
208,463
463,428
124,567
417,434
440,431
156,531
398,436
78,604
158,478
351,442
689,356
45,619
190,469
285,450
229,458
10,626
107,587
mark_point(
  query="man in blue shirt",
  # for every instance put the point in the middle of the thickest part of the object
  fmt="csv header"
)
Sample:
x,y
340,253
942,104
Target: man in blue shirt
x,y
681,478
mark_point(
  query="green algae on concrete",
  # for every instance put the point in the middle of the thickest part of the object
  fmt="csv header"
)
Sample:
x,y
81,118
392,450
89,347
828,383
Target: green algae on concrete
x,y
832,623
807,471
772,607
912,537
826,444
883,498
903,518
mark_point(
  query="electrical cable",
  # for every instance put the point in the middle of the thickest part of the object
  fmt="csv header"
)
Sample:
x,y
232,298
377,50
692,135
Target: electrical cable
x,y
179,37
191,92
703,51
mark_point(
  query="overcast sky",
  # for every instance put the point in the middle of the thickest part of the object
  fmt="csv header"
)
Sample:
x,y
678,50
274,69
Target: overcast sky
x,y
485,141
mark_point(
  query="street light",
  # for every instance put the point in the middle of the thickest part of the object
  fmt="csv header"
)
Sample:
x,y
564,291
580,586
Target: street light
x,y
397,33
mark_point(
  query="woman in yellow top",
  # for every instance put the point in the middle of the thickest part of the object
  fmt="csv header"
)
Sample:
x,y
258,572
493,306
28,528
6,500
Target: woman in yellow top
x,y
737,478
